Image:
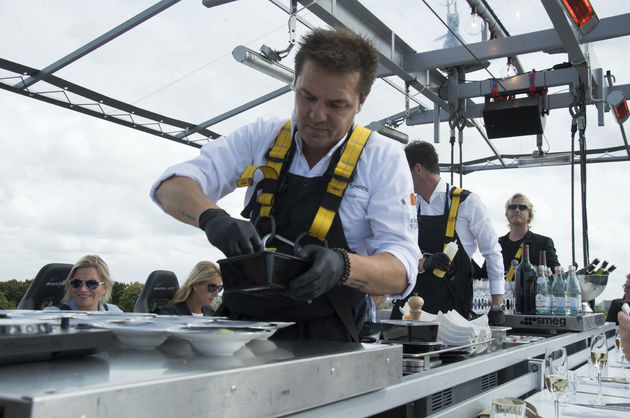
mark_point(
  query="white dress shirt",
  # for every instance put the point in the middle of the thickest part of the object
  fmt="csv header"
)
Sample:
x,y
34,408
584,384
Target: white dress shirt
x,y
376,211
474,229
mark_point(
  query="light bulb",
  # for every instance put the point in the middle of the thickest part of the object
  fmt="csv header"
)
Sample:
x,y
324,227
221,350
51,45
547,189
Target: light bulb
x,y
475,23
509,70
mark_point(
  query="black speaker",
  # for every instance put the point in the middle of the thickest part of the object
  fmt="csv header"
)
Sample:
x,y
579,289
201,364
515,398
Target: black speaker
x,y
515,117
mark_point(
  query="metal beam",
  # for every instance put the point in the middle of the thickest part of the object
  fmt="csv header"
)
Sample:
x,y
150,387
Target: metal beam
x,y
237,110
96,43
545,41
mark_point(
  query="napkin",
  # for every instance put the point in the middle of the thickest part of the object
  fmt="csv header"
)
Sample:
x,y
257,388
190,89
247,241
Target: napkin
x,y
531,412
571,410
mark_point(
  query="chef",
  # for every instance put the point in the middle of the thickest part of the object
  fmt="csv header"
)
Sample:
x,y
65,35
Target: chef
x,y
450,214
315,179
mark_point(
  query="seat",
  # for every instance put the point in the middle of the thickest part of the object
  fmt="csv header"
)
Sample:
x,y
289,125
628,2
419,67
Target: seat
x,y
158,290
47,287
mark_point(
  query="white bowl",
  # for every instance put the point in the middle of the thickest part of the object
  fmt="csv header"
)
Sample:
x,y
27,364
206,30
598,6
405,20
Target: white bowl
x,y
139,334
213,342
140,338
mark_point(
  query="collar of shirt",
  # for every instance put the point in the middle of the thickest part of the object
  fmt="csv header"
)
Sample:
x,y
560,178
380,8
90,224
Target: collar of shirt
x,y
436,201
300,166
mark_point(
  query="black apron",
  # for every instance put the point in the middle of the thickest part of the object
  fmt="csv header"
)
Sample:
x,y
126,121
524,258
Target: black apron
x,y
454,290
296,204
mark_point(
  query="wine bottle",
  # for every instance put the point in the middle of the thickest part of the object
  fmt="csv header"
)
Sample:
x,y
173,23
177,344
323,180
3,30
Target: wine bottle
x,y
610,269
542,293
558,293
601,268
590,268
524,280
573,293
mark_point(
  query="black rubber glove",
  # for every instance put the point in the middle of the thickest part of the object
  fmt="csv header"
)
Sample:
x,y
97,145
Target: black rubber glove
x,y
327,268
231,236
437,261
496,318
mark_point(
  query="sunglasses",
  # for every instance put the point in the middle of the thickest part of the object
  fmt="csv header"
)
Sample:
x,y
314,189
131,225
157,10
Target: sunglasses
x,y
519,207
215,288
90,283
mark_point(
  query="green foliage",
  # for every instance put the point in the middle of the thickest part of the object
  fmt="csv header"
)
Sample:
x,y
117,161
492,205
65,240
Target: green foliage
x,y
128,296
117,291
13,292
4,302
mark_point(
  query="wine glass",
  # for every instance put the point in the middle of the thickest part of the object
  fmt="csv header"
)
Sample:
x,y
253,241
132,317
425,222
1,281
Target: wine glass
x,y
620,354
599,358
556,373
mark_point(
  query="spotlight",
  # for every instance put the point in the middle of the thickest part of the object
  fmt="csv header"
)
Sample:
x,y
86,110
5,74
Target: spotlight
x,y
582,14
255,60
212,3
391,133
617,102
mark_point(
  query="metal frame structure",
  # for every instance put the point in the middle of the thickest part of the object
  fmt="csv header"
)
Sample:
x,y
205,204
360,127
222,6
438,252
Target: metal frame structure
x,y
438,75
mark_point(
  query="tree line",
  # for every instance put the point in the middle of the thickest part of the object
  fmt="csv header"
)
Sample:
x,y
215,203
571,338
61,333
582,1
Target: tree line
x,y
124,295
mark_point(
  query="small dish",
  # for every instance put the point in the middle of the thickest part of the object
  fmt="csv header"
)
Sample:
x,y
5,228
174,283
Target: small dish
x,y
217,342
136,334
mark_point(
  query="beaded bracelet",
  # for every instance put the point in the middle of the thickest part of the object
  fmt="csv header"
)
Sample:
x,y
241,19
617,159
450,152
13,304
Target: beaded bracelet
x,y
346,262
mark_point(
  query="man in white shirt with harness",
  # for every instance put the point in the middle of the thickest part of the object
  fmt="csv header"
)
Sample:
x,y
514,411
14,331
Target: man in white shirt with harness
x,y
445,214
326,180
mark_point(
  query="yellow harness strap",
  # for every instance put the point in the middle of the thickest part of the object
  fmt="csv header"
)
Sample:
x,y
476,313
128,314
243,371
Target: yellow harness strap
x,y
510,275
452,214
275,160
342,175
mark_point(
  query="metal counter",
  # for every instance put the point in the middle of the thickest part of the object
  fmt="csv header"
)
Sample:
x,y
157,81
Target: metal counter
x,y
273,378
464,388
264,378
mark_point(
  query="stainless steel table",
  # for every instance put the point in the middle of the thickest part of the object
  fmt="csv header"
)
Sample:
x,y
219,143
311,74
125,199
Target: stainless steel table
x,y
264,378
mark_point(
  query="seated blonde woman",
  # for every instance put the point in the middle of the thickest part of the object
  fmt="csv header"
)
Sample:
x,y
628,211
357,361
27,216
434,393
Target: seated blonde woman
x,y
88,287
196,295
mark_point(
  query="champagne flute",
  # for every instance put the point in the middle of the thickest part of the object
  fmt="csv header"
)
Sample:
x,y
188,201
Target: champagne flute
x,y
599,358
619,349
556,374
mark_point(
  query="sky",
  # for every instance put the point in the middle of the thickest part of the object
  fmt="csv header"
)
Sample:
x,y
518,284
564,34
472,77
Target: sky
x,y
74,185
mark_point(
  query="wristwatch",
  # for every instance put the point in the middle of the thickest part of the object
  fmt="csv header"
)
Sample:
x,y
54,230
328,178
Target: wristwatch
x,y
500,307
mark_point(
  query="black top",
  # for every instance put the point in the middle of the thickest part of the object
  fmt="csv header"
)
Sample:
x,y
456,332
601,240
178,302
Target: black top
x,y
615,308
536,243
181,308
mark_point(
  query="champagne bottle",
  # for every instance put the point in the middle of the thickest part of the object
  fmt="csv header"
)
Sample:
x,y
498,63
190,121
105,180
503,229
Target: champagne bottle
x,y
558,293
524,280
573,293
601,268
610,269
542,293
590,268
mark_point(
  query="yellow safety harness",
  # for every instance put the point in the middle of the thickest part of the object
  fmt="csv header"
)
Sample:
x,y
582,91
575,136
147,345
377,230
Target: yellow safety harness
x,y
341,177
510,275
456,195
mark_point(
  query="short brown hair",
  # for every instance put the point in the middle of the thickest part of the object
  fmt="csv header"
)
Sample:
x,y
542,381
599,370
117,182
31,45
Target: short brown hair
x,y
423,153
340,51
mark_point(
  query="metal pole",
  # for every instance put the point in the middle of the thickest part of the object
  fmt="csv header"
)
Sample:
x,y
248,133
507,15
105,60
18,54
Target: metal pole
x,y
96,43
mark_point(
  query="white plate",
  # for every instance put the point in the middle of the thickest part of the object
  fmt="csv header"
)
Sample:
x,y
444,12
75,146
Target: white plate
x,y
213,342
136,334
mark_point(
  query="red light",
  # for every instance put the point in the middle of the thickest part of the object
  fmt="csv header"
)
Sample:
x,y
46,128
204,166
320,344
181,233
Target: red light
x,y
580,11
621,111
